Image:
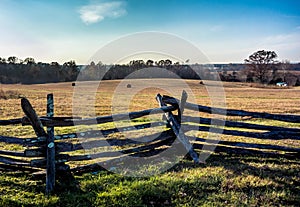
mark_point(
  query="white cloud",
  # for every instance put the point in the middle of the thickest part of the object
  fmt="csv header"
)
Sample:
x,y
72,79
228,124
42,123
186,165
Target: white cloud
x,y
97,12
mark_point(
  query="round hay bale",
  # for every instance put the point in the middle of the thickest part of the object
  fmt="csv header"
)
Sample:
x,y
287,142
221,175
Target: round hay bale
x,y
128,85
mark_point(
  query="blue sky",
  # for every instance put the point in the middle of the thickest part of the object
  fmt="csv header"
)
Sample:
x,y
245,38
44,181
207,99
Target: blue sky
x,y
225,31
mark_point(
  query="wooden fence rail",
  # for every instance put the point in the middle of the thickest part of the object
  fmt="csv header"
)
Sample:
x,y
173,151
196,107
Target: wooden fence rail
x,y
233,112
46,121
51,154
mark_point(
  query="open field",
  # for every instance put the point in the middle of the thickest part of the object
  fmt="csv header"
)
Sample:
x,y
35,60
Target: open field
x,y
224,180
238,96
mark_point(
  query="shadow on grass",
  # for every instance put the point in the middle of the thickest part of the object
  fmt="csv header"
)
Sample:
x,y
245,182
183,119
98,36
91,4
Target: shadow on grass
x,y
223,180
20,189
283,173
176,187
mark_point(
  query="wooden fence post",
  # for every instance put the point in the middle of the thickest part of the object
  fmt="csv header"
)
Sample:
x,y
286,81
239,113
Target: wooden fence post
x,y
182,103
39,131
175,126
50,173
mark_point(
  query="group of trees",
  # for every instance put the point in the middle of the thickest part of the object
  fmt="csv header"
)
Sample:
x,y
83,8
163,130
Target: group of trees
x,y
14,70
261,66
96,71
151,63
28,71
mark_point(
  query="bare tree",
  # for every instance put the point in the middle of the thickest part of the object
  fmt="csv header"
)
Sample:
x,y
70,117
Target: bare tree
x,y
2,60
160,63
29,61
261,65
168,63
137,64
285,66
54,64
150,63
12,60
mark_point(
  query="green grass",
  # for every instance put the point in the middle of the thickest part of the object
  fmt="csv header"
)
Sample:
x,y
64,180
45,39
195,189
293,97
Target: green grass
x,y
226,180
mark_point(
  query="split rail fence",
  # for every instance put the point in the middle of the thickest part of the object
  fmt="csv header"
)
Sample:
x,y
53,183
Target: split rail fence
x,y
51,154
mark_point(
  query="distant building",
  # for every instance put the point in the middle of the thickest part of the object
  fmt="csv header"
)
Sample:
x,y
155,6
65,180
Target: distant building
x,y
281,84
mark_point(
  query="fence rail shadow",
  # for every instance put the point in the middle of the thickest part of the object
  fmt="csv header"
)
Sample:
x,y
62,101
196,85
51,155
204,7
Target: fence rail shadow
x,y
51,154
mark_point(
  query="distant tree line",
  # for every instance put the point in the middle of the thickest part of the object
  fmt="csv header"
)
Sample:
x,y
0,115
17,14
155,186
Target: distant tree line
x,y
120,71
261,67
14,70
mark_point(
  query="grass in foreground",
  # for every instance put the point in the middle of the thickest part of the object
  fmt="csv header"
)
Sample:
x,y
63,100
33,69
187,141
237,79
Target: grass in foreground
x,y
224,180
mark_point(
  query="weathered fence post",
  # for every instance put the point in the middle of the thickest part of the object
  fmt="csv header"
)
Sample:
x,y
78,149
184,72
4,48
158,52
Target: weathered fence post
x,y
39,131
182,103
50,173
175,126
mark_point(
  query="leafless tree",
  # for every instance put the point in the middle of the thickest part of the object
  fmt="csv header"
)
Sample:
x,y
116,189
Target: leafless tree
x,y
12,60
261,65
285,66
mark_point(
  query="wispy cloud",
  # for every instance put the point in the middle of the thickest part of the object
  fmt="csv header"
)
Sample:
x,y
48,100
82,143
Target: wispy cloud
x,y
287,45
96,12
216,28
288,38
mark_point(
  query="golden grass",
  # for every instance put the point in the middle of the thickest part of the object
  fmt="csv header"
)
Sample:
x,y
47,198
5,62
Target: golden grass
x,y
113,97
238,96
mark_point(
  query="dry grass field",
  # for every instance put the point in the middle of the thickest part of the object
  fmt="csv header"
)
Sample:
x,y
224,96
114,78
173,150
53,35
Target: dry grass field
x,y
238,96
224,180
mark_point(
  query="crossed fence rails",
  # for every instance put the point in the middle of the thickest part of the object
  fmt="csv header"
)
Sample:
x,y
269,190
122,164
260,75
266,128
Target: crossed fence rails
x,y
51,154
